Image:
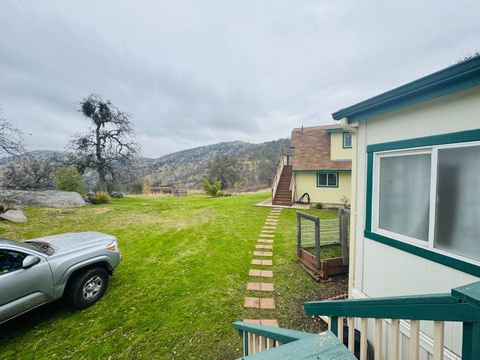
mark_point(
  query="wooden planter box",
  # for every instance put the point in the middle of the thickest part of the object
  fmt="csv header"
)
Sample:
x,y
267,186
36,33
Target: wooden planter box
x,y
326,268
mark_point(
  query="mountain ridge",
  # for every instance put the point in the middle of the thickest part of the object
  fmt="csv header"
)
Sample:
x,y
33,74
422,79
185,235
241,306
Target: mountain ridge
x,y
257,162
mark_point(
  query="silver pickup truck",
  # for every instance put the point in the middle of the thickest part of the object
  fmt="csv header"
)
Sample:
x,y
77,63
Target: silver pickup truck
x,y
38,271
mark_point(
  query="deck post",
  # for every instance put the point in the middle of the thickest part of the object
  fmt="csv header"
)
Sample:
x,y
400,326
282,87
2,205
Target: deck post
x,y
471,340
334,325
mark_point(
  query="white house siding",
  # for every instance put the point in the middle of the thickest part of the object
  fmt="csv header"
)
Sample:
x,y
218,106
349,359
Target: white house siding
x,y
337,151
381,270
306,182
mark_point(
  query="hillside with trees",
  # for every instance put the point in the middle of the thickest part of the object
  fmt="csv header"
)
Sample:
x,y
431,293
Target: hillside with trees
x,y
241,165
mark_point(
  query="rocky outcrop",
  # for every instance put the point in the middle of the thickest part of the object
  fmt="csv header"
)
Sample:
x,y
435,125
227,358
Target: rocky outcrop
x,y
49,198
16,216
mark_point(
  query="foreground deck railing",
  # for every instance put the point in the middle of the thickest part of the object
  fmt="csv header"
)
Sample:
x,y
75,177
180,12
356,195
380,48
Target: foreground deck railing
x,y
258,338
461,305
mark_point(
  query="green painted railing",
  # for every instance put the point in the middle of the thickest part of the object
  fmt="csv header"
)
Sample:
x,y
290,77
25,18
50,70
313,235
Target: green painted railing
x,y
461,305
257,338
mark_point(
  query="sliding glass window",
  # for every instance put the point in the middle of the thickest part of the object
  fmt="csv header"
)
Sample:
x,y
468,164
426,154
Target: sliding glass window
x,y
430,197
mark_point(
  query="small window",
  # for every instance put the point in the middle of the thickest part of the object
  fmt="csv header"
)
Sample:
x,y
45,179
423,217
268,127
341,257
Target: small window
x,y
10,261
327,179
347,140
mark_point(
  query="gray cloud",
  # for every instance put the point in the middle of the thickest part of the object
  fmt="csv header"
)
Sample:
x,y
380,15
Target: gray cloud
x,y
193,73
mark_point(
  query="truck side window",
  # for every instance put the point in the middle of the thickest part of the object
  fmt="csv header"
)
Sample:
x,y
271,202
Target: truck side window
x,y
10,261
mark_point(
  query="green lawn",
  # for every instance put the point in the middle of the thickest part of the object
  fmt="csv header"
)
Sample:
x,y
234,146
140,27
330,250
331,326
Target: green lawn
x,y
179,287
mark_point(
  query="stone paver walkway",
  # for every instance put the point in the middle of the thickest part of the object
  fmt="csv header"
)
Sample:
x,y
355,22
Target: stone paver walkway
x,y
264,242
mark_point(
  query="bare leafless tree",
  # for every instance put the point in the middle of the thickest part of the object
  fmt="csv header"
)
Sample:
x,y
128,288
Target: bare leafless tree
x,y
108,145
28,173
11,138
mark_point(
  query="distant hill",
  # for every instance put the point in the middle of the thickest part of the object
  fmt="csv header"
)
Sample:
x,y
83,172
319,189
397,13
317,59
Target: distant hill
x,y
258,162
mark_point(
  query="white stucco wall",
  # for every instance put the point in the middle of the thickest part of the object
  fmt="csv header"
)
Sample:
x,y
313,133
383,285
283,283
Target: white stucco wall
x,y
381,270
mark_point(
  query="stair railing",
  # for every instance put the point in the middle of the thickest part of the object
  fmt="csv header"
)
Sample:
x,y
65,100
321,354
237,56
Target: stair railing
x,y
461,305
276,180
257,338
292,187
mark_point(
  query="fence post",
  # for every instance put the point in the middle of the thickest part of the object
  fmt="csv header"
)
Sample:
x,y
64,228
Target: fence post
x,y
317,243
343,234
299,235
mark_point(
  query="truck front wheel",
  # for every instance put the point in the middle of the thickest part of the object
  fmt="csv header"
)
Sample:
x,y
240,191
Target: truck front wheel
x,y
87,287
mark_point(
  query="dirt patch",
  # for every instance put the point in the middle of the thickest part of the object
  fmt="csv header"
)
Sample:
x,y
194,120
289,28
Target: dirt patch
x,y
100,210
336,285
59,213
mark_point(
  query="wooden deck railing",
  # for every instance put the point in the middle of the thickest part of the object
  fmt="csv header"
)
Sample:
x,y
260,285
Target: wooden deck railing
x,y
257,338
292,187
461,305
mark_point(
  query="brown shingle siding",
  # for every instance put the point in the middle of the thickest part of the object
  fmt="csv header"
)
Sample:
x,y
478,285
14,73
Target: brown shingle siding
x,y
312,149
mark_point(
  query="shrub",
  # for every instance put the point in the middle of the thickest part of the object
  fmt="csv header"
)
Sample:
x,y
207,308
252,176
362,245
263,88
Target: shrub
x,y
99,197
238,184
318,206
68,179
212,188
136,187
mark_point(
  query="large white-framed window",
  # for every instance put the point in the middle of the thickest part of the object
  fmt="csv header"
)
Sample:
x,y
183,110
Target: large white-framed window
x,y
430,197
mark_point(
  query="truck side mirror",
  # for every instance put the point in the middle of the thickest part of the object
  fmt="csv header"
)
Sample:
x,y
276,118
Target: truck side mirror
x,y
29,261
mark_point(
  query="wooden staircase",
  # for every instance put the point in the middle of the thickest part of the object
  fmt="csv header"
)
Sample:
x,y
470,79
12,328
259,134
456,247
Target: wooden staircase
x,y
283,194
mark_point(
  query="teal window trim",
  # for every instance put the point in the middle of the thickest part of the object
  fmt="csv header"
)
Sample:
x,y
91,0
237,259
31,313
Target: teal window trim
x,y
343,140
327,173
451,138
425,253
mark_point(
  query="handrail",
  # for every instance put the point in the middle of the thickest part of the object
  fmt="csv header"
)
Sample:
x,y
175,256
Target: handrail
x,y
279,334
461,305
278,174
441,307
292,187
447,307
257,338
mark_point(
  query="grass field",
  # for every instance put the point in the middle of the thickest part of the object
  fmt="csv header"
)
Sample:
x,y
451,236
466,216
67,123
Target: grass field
x,y
179,287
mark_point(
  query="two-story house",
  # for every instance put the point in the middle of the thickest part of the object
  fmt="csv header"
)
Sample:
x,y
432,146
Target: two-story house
x,y
322,164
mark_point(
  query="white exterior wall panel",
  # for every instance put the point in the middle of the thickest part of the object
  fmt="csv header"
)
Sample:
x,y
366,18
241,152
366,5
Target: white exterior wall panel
x,y
382,270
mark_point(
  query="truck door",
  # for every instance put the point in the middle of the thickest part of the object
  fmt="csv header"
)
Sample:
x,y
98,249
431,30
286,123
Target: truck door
x,y
22,289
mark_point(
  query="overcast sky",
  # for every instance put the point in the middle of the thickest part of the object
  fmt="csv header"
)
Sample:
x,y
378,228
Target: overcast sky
x,y
198,72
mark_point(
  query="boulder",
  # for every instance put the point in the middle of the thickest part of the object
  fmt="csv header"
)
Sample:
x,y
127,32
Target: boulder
x,y
16,216
49,198
116,195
